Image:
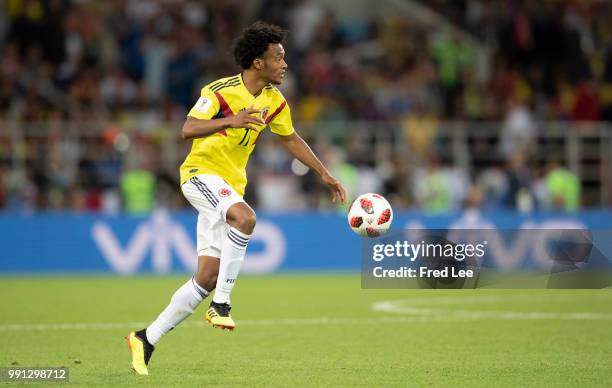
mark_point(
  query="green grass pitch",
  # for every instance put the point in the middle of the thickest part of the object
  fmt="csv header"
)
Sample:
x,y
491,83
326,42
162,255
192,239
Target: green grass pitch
x,y
312,330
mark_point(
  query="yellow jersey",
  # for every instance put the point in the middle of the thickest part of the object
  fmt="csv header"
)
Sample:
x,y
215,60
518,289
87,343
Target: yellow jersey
x,y
226,153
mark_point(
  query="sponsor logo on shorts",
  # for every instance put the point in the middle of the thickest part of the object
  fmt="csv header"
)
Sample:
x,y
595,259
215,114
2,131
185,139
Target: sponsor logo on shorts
x,y
224,192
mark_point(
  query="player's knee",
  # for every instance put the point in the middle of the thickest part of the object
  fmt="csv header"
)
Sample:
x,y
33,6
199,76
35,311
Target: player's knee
x,y
249,222
207,280
210,281
245,222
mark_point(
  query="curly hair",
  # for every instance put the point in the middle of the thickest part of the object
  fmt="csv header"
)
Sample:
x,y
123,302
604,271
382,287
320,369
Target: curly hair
x,y
254,41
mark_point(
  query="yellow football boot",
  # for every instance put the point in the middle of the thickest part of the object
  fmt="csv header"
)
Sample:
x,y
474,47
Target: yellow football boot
x,y
141,351
218,315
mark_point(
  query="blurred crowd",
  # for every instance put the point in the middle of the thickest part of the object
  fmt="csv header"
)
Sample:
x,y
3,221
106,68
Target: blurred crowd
x,y
93,95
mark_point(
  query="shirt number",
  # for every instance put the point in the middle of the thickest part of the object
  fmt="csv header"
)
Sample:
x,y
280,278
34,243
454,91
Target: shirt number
x,y
245,139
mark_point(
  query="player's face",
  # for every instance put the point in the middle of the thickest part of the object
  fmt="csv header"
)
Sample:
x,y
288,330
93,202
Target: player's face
x,y
274,64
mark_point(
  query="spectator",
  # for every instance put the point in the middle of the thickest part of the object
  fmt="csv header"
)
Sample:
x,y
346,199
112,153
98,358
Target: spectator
x,y
518,130
138,191
563,187
520,180
432,188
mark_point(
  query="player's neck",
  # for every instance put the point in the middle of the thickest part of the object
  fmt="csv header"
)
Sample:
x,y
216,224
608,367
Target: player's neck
x,y
252,82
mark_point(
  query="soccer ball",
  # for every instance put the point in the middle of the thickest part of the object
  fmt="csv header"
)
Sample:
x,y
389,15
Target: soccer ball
x,y
370,215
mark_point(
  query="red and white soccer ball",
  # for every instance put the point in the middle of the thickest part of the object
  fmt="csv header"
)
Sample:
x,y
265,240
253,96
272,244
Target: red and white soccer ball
x,y
370,215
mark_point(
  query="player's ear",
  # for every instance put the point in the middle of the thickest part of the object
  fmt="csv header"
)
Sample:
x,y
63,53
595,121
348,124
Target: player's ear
x,y
258,63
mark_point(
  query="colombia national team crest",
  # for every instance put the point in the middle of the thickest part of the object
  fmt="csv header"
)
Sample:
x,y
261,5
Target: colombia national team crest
x,y
264,113
224,192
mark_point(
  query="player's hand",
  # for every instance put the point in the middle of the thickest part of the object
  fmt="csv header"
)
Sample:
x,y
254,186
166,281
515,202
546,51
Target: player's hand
x,y
244,119
338,191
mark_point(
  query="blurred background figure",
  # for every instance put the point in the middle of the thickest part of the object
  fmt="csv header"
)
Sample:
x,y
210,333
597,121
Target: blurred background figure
x,y
138,191
421,101
562,188
519,182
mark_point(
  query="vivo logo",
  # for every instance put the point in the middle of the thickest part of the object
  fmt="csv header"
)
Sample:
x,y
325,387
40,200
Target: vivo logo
x,y
161,237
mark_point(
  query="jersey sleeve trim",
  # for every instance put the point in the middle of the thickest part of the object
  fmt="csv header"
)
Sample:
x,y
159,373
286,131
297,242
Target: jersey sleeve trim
x,y
276,112
224,108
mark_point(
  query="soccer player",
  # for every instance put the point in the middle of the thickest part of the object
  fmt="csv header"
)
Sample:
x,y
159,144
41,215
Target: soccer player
x,y
225,124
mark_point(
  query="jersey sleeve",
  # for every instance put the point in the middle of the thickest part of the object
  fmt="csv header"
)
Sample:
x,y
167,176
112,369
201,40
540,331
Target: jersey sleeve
x,y
206,107
280,121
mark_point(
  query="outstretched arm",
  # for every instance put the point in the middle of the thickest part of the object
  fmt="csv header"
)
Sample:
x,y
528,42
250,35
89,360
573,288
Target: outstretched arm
x,y
301,151
194,128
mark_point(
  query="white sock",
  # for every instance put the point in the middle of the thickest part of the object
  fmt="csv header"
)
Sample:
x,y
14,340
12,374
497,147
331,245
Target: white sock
x,y
182,304
232,256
